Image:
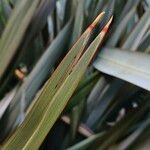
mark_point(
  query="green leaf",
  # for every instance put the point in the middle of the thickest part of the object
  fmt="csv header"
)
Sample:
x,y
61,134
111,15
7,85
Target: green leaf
x,y
56,93
85,143
135,37
103,103
122,126
38,75
112,41
37,23
82,91
14,32
78,24
133,138
75,118
4,103
129,66
129,5
96,92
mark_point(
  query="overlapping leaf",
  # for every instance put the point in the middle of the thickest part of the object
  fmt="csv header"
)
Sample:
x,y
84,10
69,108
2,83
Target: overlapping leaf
x,y
56,93
37,76
126,65
17,26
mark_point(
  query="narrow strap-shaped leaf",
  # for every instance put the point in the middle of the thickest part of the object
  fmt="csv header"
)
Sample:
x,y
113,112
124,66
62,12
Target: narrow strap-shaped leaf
x,y
133,67
82,92
93,98
129,5
79,20
66,65
120,28
133,138
14,31
64,93
53,85
4,103
38,75
124,124
37,23
85,143
134,38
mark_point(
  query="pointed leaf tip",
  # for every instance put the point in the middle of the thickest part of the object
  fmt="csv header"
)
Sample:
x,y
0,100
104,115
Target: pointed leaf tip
x,y
98,18
106,27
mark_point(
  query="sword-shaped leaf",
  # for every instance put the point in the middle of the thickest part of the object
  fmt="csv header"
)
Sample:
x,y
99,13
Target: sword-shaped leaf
x,y
36,78
56,92
14,31
85,143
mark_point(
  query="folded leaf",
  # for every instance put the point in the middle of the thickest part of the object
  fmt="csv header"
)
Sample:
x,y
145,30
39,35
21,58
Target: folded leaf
x,y
56,93
64,93
129,66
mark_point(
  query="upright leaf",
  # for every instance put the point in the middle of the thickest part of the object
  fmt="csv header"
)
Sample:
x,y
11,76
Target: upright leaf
x,y
55,93
36,78
17,26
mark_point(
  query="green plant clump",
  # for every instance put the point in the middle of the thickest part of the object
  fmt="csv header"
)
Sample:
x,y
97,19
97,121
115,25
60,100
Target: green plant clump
x,y
74,74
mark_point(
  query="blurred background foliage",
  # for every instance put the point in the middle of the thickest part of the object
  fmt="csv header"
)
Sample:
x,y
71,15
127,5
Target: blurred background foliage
x,y
110,109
